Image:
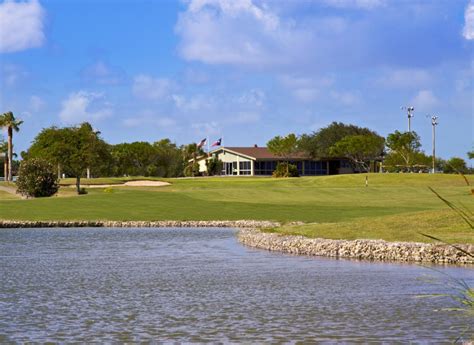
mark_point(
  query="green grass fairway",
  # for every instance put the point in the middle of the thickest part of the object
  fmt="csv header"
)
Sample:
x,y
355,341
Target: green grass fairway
x,y
393,207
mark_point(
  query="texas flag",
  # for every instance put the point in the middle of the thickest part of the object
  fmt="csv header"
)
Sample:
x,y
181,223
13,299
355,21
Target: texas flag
x,y
217,142
202,143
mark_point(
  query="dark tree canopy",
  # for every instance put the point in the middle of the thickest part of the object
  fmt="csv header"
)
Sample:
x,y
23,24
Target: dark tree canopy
x,y
405,146
75,149
214,166
284,147
360,149
318,144
455,165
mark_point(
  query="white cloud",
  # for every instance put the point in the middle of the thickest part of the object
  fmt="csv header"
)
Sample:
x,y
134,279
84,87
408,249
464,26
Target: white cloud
x,y
243,117
196,76
36,103
84,106
147,87
346,97
253,98
193,103
206,128
21,25
148,118
468,31
12,75
364,4
236,32
405,78
305,89
103,74
425,100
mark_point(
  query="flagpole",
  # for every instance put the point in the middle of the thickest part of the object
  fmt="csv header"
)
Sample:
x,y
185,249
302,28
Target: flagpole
x,y
207,140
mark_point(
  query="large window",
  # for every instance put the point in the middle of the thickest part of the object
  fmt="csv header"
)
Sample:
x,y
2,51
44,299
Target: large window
x,y
245,168
265,167
315,168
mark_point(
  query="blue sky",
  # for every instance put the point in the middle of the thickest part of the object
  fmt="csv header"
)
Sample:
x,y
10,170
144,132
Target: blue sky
x,y
242,70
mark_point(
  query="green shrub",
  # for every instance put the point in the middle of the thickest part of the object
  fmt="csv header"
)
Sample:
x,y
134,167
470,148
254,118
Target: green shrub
x,y
37,178
192,170
214,166
284,169
82,191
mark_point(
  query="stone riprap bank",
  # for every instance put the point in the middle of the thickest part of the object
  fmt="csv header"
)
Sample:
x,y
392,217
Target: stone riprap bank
x,y
139,224
357,249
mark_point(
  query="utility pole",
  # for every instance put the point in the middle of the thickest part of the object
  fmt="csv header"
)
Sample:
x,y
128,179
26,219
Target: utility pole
x,y
434,123
410,110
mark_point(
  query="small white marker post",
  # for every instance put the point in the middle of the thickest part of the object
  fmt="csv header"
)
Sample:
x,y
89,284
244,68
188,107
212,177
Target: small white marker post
x,y
366,180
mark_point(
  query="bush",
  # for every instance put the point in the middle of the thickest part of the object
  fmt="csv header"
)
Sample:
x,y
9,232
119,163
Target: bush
x,y
37,178
285,170
455,165
82,191
192,170
214,166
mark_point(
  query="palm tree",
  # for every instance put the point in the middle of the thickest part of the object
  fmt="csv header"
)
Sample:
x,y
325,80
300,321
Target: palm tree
x,y
3,153
8,121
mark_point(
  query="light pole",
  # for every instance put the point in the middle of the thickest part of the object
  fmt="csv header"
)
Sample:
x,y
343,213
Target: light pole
x,y
434,123
410,110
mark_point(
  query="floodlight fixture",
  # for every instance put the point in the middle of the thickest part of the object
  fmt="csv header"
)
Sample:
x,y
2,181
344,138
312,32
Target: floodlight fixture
x,y
410,110
434,123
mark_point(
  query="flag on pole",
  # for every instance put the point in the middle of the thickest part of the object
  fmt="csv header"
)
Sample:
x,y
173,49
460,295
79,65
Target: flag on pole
x,y
202,143
217,142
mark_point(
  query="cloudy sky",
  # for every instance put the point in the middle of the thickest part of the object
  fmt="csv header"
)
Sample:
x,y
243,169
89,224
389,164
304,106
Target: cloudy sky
x,y
243,70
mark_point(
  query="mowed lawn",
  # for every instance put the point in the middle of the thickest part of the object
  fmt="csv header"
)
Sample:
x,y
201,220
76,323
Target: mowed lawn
x,y
393,207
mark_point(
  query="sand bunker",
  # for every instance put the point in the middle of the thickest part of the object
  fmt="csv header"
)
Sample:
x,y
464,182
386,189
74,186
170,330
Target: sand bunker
x,y
147,183
142,183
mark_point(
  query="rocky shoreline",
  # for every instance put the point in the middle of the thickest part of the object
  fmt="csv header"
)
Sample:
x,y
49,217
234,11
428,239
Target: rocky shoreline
x,y
139,224
249,235
377,250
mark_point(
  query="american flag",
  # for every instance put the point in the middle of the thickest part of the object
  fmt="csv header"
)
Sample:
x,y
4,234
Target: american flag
x,y
202,143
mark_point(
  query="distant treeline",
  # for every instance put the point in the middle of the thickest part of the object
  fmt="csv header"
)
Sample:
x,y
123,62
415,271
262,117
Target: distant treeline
x,y
81,149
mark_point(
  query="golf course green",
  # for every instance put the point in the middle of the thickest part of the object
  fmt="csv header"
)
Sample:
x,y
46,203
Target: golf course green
x,y
394,207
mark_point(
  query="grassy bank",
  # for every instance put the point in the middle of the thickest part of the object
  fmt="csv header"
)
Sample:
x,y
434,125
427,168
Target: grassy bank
x,y
393,207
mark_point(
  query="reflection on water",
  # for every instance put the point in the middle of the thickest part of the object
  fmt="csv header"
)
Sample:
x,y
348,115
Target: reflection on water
x,y
199,285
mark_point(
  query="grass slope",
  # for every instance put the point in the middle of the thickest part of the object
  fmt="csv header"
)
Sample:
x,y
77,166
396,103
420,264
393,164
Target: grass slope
x,y
393,207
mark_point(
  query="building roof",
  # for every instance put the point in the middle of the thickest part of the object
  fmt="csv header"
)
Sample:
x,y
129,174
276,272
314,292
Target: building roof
x,y
261,153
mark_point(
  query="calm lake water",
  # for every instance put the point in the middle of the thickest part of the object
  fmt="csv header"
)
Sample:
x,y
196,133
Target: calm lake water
x,y
200,285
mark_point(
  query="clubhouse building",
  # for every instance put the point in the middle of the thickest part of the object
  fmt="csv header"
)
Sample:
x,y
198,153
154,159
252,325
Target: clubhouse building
x,y
259,161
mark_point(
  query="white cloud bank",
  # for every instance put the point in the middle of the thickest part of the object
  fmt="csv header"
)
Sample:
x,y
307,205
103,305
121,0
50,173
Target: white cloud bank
x,y
425,100
147,87
236,32
21,26
84,106
363,4
468,31
104,74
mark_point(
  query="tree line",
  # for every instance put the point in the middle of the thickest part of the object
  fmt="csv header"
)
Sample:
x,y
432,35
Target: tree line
x,y
399,152
80,151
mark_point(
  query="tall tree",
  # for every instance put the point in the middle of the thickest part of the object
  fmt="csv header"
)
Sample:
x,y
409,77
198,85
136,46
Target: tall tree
x,y
360,149
74,148
4,154
190,153
284,147
135,159
404,145
169,162
318,144
8,121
